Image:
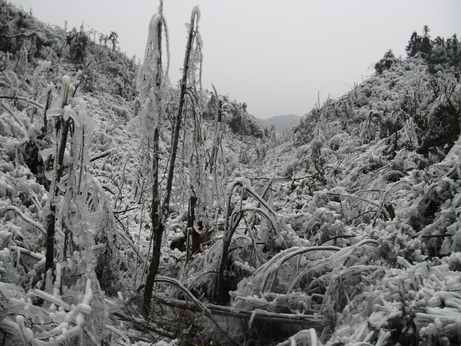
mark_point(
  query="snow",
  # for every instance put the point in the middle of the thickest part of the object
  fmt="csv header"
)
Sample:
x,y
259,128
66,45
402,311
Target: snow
x,y
353,220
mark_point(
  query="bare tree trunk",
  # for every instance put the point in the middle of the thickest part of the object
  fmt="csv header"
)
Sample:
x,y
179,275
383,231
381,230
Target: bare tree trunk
x,y
50,232
62,149
190,225
47,106
177,125
58,171
63,129
157,229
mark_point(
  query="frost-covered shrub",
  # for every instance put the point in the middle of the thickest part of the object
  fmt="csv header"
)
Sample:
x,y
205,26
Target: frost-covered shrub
x,y
338,140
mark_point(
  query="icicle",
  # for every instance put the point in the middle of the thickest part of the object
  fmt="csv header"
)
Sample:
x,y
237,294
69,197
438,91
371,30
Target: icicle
x,y
196,14
167,45
146,75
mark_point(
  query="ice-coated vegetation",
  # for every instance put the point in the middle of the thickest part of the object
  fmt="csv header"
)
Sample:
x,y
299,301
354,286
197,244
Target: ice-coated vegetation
x,y
135,210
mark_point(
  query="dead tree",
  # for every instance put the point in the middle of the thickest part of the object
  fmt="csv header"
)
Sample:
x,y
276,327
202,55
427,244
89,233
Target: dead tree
x,y
177,126
156,217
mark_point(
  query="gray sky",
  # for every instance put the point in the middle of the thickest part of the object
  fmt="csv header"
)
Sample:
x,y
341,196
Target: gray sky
x,y
276,56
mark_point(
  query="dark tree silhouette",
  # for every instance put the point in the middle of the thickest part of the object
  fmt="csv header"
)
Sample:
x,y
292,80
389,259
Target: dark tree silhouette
x,y
113,38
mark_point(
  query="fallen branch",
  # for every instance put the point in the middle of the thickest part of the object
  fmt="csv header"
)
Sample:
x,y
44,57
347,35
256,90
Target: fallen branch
x,y
345,195
435,236
50,298
24,217
197,303
278,179
10,112
343,236
121,334
129,241
142,325
314,320
27,252
20,98
102,155
125,210
108,190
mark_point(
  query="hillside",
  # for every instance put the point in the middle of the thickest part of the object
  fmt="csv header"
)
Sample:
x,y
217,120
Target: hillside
x,y
135,210
379,163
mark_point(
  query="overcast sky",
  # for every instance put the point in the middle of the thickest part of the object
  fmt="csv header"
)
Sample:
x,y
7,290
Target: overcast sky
x,y
276,56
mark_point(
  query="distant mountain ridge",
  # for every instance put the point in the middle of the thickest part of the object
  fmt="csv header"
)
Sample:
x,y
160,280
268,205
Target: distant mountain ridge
x,y
282,122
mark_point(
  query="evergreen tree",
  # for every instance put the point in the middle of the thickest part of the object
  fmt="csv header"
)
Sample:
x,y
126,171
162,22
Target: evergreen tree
x,y
386,62
426,44
413,45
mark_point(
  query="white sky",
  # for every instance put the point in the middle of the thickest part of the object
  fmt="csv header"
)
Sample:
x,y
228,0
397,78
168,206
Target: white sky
x,y
276,56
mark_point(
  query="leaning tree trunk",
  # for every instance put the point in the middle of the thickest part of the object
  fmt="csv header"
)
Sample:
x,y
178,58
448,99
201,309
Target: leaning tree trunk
x,y
177,125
